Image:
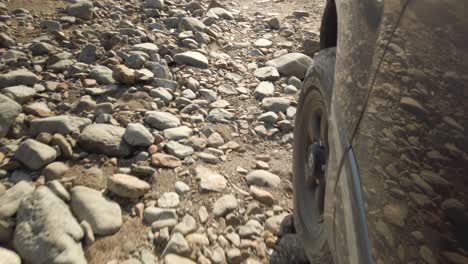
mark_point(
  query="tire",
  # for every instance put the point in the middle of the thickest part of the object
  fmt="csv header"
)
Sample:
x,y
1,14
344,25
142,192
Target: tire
x,y
310,155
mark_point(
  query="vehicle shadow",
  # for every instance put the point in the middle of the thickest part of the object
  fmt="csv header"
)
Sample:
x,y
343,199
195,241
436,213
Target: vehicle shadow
x,y
289,248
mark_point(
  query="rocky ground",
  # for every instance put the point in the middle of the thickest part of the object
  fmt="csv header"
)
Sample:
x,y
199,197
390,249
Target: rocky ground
x,y
150,131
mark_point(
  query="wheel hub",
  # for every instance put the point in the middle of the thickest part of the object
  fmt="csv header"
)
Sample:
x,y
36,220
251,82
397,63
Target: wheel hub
x,y
315,167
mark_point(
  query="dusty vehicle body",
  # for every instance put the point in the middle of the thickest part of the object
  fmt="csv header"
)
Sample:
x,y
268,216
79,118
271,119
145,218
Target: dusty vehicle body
x,y
385,160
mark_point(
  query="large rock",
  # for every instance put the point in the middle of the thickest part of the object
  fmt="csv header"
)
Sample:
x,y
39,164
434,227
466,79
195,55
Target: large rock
x,y
192,58
81,9
263,178
11,199
162,120
103,214
46,231
9,110
35,154
104,139
127,186
63,124
292,64
18,77
9,257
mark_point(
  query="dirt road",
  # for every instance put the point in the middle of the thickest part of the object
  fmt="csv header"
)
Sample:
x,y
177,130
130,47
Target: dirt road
x,y
161,131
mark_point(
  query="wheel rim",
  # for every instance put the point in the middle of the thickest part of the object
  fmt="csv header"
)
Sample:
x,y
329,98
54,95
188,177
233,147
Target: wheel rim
x,y
310,156
315,157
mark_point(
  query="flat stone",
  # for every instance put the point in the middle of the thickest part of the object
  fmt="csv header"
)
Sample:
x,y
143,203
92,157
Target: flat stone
x,y
127,186
162,120
103,215
46,230
162,93
148,48
18,77
63,124
165,161
224,205
177,133
192,58
292,64
104,139
267,74
35,154
262,178
263,43
178,150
